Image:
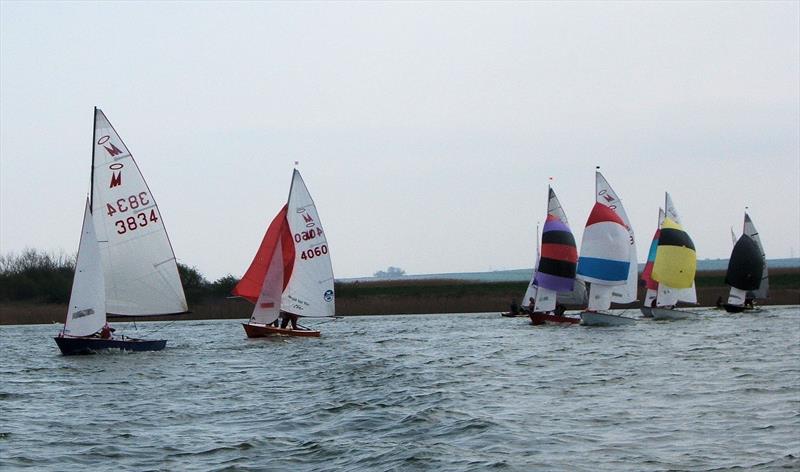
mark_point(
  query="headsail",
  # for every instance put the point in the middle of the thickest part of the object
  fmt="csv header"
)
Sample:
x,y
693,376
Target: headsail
x,y
310,290
141,274
268,274
86,312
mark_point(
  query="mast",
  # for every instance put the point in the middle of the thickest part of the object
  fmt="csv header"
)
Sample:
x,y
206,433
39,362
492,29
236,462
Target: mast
x,y
91,175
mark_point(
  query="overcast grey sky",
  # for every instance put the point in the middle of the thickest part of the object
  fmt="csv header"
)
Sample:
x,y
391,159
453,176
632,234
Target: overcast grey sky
x,y
426,132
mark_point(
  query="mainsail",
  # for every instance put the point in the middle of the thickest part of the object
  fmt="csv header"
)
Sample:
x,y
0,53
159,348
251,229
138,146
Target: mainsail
x,y
310,289
87,302
750,229
139,267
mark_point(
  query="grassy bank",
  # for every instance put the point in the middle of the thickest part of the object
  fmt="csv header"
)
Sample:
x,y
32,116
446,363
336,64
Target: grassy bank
x,y
410,297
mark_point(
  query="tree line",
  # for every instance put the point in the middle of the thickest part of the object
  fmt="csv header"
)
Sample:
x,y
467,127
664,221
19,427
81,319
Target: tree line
x,y
42,277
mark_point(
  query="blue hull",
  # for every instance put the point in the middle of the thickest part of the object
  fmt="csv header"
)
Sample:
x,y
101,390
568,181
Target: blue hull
x,y
73,346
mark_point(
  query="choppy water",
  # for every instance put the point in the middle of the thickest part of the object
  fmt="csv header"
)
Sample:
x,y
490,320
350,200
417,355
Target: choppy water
x,y
439,392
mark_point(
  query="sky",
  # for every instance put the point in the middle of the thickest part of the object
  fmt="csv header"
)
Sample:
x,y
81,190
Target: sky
x,y
426,132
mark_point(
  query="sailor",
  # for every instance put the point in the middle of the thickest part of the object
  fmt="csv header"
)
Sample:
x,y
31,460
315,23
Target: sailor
x,y
514,308
286,318
106,330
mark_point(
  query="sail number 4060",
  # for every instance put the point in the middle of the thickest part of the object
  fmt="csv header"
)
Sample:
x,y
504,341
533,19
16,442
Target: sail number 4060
x,y
314,252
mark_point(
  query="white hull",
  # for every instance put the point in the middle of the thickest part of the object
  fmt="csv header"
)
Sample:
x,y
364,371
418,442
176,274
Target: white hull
x,y
598,318
670,314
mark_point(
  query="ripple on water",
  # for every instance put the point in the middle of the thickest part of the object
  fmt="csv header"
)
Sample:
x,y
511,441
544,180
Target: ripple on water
x,y
447,392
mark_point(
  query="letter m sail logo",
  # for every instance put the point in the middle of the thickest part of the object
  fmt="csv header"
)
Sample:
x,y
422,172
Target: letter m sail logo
x,y
113,150
116,179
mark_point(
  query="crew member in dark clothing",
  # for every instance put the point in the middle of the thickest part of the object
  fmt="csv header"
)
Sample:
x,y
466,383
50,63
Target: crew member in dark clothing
x,y
514,308
286,318
560,309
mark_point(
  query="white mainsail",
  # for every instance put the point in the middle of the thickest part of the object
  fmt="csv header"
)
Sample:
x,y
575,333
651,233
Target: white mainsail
x,y
605,195
86,312
310,290
141,274
750,230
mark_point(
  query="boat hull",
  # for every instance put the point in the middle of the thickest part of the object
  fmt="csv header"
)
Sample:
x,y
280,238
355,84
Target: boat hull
x,y
511,315
261,331
647,311
598,318
550,318
84,345
733,308
670,314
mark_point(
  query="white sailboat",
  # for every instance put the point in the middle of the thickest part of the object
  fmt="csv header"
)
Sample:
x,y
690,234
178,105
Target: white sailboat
x,y
608,258
125,265
674,267
291,273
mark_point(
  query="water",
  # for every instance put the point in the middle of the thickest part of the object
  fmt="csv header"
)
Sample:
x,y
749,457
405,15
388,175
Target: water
x,y
439,392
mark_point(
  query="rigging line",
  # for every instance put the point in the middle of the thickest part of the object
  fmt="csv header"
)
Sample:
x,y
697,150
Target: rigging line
x,y
159,328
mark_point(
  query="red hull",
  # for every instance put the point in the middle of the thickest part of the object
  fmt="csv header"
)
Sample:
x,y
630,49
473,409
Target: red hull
x,y
257,331
545,318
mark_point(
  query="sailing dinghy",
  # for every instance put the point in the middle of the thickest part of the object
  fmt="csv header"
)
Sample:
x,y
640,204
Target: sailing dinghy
x,y
291,272
674,267
747,270
125,265
607,259
555,271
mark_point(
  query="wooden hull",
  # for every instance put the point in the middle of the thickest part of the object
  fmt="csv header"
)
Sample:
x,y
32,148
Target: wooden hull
x,y
550,318
261,331
86,345
660,313
599,318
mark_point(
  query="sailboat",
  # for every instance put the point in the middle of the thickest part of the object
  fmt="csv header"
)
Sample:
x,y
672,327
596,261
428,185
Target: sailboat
x,y
674,267
747,270
555,271
291,272
125,266
652,285
607,259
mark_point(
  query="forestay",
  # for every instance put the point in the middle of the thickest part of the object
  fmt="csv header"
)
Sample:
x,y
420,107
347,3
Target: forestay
x,y
141,275
310,289
86,312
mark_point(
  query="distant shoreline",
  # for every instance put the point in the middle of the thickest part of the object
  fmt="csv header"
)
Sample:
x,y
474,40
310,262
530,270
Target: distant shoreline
x,y
411,296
